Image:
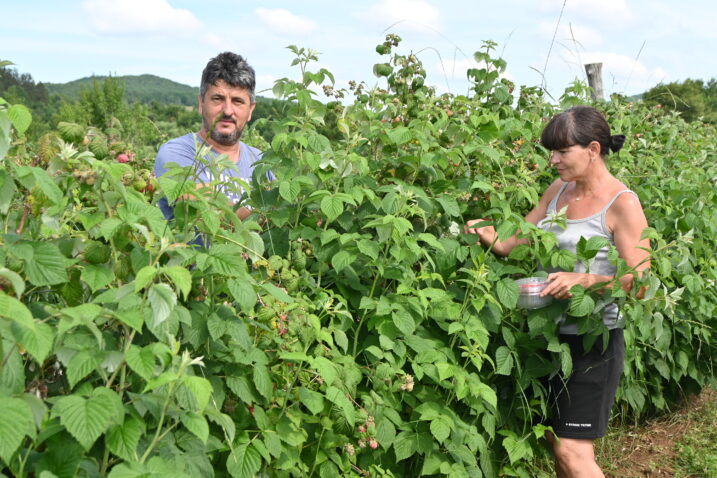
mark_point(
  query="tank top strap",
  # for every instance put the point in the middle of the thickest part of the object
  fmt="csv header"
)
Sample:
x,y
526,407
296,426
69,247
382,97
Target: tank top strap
x,y
607,206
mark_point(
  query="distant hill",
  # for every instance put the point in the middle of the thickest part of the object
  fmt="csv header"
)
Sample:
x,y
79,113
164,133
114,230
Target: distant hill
x,y
141,88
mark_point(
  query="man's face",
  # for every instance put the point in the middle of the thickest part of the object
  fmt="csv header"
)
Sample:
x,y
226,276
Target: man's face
x,y
225,111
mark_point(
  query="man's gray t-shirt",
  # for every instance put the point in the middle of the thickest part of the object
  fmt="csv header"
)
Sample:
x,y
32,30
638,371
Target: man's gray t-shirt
x,y
182,150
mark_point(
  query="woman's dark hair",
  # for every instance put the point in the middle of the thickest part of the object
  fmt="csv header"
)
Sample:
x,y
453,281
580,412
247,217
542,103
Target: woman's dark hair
x,y
580,125
230,68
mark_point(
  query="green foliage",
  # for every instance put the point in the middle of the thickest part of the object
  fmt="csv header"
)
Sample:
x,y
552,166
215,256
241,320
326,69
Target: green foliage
x,y
348,326
693,99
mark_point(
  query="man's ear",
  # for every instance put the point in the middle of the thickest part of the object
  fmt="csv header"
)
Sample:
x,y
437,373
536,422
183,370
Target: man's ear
x,y
251,110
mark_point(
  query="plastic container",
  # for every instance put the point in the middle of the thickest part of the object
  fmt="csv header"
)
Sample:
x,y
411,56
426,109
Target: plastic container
x,y
530,289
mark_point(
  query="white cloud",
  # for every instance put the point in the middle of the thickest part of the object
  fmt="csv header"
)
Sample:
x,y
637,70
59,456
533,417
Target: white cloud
x,y
607,11
572,35
284,22
129,17
410,14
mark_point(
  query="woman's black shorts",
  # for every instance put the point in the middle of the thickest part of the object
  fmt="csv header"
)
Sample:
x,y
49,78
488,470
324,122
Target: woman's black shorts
x,y
581,404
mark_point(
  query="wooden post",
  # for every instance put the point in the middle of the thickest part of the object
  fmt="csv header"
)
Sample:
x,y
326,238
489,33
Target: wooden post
x,y
594,72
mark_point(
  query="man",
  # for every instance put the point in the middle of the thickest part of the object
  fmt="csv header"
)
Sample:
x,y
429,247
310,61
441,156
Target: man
x,y
226,102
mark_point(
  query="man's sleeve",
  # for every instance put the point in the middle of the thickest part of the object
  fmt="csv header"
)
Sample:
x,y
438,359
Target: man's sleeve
x,y
176,151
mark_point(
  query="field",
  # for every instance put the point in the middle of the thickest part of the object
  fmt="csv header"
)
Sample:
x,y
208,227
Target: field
x,y
349,327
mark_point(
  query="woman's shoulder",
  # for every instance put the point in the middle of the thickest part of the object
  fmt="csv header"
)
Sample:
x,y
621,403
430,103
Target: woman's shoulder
x,y
553,191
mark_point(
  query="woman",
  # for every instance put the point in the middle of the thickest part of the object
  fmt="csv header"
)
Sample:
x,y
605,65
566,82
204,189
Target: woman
x,y
597,204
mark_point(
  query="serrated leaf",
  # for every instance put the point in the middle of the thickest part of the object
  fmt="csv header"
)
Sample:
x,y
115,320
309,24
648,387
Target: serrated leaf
x,y
244,462
385,432
289,190
81,365
20,117
196,424
122,440
262,381
7,187
440,428
47,266
201,389
277,293
141,360
581,304
36,337
405,445
332,207
97,276
15,280
508,291
180,277
338,398
16,422
326,369
243,292
314,401
162,299
403,322
144,277
450,205
516,448
87,418
503,361
342,260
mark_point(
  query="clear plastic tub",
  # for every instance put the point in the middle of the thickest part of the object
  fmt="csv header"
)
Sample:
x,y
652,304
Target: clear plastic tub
x,y
530,289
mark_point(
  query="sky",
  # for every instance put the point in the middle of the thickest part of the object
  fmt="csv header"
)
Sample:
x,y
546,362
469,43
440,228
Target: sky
x,y
640,43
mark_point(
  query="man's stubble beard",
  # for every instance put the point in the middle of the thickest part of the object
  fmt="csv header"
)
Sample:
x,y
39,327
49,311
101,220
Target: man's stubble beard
x,y
225,139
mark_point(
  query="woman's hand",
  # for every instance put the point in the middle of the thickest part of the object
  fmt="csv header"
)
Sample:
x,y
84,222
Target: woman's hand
x,y
560,283
486,234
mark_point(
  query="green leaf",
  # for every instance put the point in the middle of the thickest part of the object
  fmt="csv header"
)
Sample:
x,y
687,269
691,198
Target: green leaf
x,y
36,337
16,422
338,398
97,276
7,186
244,462
385,431
123,440
403,321
441,428
134,318
581,304
87,418
262,381
47,185
141,360
503,360
47,267
289,190
144,277
196,424
81,365
326,369
201,388
243,292
332,207
342,260
15,280
508,291
450,205
277,293
516,448
314,401
180,277
162,299
405,445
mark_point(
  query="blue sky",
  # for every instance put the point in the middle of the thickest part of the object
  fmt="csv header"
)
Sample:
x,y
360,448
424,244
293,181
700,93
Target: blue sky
x,y
640,42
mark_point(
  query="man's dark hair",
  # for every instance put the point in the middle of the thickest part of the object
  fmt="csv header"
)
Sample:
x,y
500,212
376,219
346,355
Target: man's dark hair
x,y
230,68
580,125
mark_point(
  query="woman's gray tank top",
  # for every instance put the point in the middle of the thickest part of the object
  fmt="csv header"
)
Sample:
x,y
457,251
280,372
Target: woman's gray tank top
x,y
568,238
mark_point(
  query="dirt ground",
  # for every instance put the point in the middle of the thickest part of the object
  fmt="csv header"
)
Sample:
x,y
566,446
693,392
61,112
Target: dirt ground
x,y
648,451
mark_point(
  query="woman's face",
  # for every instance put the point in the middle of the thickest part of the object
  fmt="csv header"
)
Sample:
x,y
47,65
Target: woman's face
x,y
573,162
